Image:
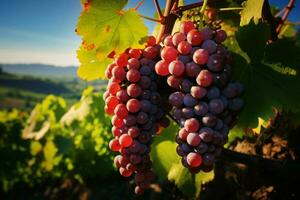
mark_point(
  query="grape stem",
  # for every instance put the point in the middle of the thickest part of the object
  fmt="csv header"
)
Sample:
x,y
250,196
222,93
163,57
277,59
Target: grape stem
x,y
158,10
230,9
139,5
151,19
280,168
286,13
170,115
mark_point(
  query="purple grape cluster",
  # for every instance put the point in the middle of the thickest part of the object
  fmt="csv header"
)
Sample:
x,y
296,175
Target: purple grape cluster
x,y
205,100
133,100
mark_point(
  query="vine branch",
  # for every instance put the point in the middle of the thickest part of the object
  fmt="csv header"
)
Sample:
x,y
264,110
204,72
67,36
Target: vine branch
x,y
158,10
151,19
280,168
286,13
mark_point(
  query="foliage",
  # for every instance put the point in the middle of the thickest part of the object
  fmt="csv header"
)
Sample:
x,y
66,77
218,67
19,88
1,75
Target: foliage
x,y
105,27
60,142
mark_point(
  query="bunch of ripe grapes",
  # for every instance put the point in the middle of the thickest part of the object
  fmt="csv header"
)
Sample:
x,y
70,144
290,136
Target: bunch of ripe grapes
x,y
133,101
204,100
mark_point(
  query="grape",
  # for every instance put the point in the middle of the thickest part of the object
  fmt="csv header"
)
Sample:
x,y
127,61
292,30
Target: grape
x,y
122,95
187,113
133,105
201,109
150,52
215,63
121,111
151,41
122,60
177,38
162,68
216,106
112,102
114,145
183,134
124,172
145,82
134,90
194,37
142,118
209,120
133,75
186,85
194,159
133,63
213,93
176,99
198,92
174,82
193,139
192,125
168,41
133,132
206,134
184,47
145,70
192,69
207,33
202,148
117,122
176,68
220,36
169,54
125,140
189,100
184,59
210,46
204,78
208,159
134,53
113,87
186,27
177,113
145,105
201,56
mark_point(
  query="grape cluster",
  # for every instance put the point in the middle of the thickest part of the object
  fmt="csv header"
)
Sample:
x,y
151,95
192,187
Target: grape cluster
x,y
205,100
133,101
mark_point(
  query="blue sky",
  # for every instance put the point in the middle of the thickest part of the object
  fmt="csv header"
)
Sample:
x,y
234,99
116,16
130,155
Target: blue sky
x,y
42,31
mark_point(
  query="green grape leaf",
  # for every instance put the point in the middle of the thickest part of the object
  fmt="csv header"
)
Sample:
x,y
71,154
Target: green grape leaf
x,y
252,9
235,132
91,66
77,112
266,89
183,179
51,159
110,28
188,183
163,151
64,144
252,40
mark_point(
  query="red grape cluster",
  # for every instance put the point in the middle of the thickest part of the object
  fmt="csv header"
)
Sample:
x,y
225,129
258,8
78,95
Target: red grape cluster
x,y
135,104
205,101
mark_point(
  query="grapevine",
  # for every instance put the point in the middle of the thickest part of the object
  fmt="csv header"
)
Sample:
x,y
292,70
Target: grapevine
x,y
189,76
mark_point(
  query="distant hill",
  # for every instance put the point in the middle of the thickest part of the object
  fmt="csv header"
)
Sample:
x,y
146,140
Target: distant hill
x,y
40,70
